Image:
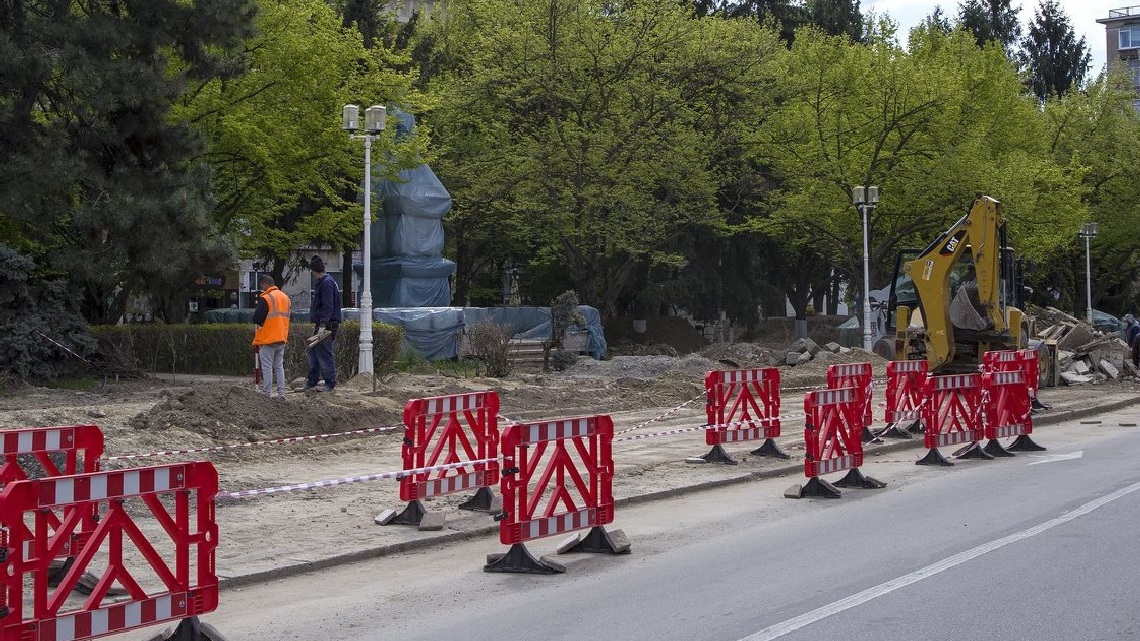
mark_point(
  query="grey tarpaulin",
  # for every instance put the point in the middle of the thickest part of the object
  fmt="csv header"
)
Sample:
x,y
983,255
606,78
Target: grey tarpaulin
x,y
434,331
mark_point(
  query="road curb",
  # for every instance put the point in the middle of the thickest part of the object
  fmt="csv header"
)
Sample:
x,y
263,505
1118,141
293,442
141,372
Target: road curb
x,y
294,569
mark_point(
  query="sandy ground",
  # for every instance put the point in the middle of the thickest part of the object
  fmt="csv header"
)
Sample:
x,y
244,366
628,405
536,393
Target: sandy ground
x,y
268,534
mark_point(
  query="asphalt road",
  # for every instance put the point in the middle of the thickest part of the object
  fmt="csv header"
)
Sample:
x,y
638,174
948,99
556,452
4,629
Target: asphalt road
x,y
1041,546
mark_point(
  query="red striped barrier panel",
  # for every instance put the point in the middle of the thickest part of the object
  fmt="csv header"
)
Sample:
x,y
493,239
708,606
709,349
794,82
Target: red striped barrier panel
x,y
557,478
1008,412
60,450
1024,360
48,452
857,376
905,397
742,405
161,575
953,416
833,435
443,430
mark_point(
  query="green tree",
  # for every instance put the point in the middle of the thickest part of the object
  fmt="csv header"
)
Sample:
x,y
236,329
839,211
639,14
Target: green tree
x,y
100,181
287,176
585,126
1055,59
837,17
931,126
785,15
991,21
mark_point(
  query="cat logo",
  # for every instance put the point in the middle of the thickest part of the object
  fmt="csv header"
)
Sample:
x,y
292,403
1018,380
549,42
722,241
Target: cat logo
x,y
952,244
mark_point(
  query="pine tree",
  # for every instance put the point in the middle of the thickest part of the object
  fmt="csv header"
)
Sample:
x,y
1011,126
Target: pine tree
x,y
990,20
1055,59
99,181
837,17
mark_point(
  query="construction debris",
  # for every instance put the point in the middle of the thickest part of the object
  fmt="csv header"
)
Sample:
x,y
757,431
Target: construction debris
x,y
1085,355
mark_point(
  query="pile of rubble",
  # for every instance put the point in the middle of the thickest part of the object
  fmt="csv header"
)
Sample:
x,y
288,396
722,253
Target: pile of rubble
x,y
805,350
1084,355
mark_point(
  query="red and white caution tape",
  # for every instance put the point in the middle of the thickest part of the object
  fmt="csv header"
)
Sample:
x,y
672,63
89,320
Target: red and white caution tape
x,y
663,416
275,441
638,437
351,479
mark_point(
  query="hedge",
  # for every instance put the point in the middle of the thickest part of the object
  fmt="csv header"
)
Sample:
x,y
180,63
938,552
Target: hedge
x,y
227,348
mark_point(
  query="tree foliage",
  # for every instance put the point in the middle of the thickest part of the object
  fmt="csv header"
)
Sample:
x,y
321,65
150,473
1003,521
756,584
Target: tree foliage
x,y
100,181
991,21
32,305
1055,59
287,176
588,128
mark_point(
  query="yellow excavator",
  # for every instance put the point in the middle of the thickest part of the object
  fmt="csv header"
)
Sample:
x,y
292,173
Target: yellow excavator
x,y
956,299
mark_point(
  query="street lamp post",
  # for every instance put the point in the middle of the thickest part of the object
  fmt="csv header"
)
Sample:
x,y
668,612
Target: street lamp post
x,y
374,117
866,200
1088,232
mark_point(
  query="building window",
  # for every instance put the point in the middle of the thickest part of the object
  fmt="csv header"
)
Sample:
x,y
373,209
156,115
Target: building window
x,y
1130,37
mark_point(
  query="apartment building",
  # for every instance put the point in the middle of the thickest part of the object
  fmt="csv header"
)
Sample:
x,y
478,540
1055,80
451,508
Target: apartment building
x,y
1122,42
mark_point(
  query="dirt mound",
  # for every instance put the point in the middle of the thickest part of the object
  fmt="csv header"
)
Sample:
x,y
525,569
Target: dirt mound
x,y
229,413
740,355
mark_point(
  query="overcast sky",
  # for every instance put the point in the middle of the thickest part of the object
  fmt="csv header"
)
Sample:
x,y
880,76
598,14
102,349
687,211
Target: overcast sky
x,y
1082,15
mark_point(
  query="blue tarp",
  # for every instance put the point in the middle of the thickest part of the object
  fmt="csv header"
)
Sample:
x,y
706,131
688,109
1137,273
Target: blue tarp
x,y
434,331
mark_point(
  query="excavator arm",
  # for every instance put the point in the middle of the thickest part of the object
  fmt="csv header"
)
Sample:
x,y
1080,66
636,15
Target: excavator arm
x,y
957,280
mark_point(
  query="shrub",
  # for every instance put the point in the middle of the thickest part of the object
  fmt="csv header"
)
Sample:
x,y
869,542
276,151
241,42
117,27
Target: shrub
x,y
561,359
492,345
34,309
227,349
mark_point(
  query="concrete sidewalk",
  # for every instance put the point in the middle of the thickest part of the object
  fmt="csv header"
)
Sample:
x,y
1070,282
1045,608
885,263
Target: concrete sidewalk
x,y
656,462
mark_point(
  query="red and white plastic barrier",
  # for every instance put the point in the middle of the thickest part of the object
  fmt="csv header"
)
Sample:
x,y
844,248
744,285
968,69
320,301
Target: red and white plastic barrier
x,y
1023,360
905,397
43,517
742,405
442,430
833,435
1008,413
953,415
857,376
557,478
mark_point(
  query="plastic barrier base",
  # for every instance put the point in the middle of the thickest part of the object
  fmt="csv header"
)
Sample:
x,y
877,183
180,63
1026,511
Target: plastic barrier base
x,y
869,436
856,479
1024,444
481,502
598,541
769,448
934,457
973,450
894,431
820,488
412,515
190,630
718,455
994,449
519,560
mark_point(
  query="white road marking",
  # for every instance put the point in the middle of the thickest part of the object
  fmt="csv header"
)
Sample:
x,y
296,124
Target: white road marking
x,y
1053,458
791,625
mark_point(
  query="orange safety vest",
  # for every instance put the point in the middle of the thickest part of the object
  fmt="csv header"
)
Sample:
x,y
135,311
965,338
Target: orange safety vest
x,y
276,326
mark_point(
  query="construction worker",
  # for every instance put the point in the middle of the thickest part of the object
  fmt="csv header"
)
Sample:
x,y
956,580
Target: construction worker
x,y
271,315
325,315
